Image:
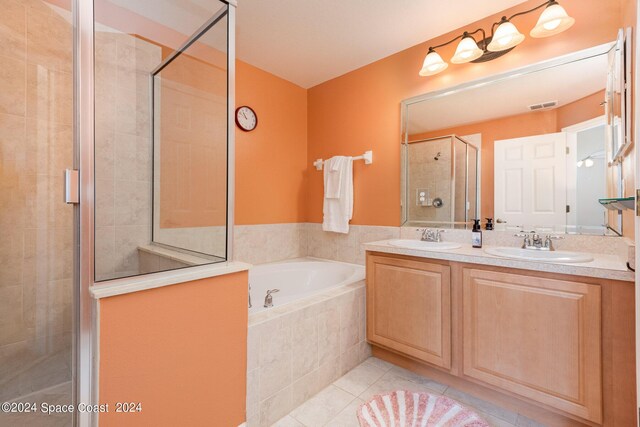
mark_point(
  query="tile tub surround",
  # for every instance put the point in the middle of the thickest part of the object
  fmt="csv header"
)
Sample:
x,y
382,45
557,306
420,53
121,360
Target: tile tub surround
x,y
336,405
604,266
297,349
263,243
345,247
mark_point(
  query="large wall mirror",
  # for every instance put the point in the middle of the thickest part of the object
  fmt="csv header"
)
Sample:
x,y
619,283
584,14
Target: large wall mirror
x,y
538,148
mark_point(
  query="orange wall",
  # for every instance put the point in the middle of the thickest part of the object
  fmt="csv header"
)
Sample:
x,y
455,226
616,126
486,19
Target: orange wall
x,y
179,350
361,110
581,110
271,161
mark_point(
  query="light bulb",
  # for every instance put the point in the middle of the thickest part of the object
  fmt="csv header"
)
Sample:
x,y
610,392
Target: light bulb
x,y
553,20
588,163
433,64
552,25
466,51
579,164
505,37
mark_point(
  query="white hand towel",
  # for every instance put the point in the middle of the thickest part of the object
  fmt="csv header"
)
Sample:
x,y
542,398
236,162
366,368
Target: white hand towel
x,y
333,176
338,210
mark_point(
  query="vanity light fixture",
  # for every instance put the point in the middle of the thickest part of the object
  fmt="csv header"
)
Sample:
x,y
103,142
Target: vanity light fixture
x,y
588,161
433,64
504,37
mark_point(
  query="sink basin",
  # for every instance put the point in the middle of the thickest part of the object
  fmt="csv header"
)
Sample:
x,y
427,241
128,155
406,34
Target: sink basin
x,y
424,246
533,255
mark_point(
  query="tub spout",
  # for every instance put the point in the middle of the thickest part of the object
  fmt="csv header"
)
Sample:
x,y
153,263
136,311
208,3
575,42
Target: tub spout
x,y
268,299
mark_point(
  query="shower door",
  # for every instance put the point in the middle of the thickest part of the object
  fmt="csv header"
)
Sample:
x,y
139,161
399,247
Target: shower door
x,y
37,272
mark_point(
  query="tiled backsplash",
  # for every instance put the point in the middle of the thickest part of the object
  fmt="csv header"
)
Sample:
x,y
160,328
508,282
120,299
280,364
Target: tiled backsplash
x,y
569,242
258,244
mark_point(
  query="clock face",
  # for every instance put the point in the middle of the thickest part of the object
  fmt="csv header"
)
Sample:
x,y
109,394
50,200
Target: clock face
x,y
246,118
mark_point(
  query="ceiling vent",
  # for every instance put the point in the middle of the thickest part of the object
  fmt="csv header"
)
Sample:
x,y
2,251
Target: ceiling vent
x,y
543,105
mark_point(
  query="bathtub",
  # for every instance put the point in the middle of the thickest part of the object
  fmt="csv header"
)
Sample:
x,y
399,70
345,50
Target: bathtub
x,y
314,333
297,279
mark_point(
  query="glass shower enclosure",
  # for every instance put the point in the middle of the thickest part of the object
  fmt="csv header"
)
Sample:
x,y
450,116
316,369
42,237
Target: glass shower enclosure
x,y
135,99
440,182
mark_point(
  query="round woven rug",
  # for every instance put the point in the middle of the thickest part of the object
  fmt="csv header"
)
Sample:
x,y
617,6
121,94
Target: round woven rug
x,y
403,408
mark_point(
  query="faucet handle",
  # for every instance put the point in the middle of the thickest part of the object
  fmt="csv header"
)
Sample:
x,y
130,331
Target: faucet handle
x,y
553,237
272,291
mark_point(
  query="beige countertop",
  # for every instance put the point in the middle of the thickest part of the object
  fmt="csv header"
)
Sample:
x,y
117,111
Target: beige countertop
x,y
603,266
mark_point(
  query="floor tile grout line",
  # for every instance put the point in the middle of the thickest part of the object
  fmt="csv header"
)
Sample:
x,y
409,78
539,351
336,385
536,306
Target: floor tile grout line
x,y
339,412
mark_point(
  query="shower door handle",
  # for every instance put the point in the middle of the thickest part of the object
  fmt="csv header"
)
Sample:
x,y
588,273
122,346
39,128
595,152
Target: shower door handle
x,y
71,186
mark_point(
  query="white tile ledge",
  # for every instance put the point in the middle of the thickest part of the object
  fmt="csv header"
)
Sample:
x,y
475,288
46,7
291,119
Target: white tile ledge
x,y
174,255
157,280
603,266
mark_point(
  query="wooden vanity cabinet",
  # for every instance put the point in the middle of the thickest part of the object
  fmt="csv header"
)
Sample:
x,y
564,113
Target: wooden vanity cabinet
x,y
409,308
554,347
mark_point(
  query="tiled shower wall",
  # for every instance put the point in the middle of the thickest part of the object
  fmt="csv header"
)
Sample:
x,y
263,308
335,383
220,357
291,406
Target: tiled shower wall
x,y
123,150
36,234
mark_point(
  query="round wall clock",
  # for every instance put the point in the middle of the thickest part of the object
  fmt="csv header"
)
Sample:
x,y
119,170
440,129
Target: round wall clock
x,y
246,118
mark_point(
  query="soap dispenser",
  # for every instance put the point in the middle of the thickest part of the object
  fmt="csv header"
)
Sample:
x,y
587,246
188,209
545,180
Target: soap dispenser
x,y
476,234
489,225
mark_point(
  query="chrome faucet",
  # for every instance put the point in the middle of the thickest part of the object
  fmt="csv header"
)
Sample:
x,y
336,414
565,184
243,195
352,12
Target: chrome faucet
x,y
431,235
534,241
268,299
249,295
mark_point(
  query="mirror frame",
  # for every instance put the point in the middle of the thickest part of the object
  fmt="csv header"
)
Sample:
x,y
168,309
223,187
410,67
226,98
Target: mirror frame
x,y
528,69
624,45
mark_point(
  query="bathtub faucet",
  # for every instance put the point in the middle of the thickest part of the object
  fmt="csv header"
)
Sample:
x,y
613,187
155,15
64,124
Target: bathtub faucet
x,y
268,299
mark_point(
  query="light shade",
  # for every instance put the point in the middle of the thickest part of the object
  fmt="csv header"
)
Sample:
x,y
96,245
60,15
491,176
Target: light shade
x,y
433,64
505,37
553,20
588,162
467,51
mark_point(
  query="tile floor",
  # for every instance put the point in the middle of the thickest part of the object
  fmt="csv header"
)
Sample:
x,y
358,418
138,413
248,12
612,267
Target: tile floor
x,y
336,405
58,395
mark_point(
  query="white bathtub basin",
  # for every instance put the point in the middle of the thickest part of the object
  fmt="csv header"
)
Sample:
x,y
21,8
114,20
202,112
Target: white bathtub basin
x,y
544,256
297,279
424,246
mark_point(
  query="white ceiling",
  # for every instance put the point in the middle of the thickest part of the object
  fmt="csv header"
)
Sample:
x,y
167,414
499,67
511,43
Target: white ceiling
x,y
564,83
311,41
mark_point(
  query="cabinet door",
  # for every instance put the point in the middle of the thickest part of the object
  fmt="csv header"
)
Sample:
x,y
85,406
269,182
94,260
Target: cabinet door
x,y
409,308
539,338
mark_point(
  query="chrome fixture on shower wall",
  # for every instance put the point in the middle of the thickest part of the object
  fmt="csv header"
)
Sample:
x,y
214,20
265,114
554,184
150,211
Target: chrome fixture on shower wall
x,y
504,37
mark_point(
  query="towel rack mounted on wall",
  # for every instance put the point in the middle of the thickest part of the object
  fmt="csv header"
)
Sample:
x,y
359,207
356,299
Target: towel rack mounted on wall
x,y
367,157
